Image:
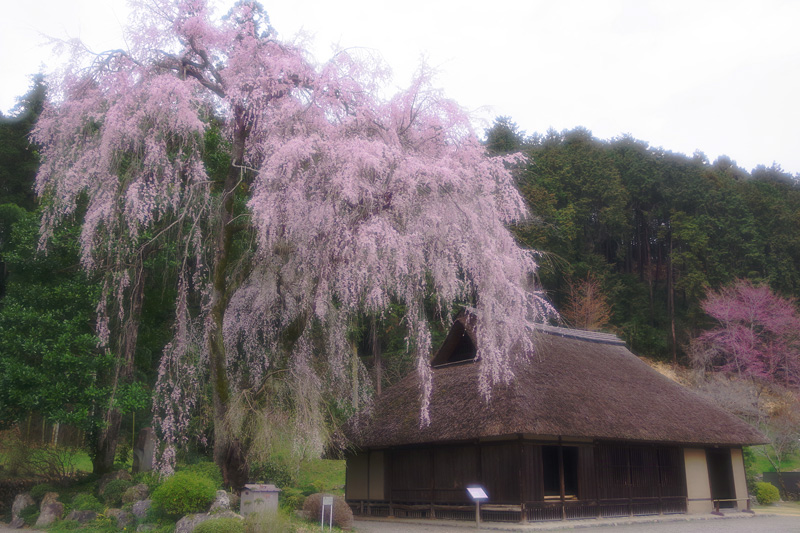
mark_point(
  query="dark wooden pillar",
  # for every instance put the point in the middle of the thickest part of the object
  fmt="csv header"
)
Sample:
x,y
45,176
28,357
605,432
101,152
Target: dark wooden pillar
x,y
387,475
369,498
524,473
561,479
433,480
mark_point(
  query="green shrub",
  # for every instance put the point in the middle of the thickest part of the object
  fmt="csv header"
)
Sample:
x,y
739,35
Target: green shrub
x,y
38,491
268,522
152,479
206,469
29,515
221,525
112,494
86,502
184,493
123,452
291,499
275,472
312,488
767,493
751,470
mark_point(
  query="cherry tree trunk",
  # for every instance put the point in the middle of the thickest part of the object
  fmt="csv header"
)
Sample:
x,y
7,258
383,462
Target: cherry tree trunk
x,y
106,448
227,448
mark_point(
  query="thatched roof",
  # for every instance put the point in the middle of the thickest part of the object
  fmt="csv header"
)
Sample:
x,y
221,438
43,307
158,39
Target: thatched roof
x,y
578,385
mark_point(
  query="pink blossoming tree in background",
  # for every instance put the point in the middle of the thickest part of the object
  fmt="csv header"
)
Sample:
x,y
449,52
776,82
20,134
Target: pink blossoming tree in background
x,y
329,202
757,343
757,334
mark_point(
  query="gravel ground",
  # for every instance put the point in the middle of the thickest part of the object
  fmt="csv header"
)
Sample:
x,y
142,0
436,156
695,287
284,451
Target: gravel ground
x,y
705,524
766,523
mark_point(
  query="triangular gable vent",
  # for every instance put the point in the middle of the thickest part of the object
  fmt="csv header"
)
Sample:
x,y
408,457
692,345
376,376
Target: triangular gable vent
x,y
460,345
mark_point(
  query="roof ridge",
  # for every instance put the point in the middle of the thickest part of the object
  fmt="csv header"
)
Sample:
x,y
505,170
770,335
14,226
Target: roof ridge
x,y
581,334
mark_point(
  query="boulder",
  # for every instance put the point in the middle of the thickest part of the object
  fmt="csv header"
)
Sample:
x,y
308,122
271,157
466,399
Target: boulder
x,y
49,497
123,518
222,502
21,502
234,500
17,523
82,517
135,493
49,512
140,508
191,521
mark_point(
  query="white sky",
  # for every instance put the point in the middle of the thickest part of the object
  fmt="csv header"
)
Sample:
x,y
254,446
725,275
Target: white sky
x,y
718,76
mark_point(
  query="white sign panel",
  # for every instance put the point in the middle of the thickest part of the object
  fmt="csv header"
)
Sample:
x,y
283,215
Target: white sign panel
x,y
327,500
477,493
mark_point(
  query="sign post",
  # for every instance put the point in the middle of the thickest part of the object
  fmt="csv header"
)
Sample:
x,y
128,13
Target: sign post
x,y
478,494
327,501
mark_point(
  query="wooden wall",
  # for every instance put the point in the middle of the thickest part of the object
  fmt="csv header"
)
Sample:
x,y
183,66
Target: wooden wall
x,y
512,472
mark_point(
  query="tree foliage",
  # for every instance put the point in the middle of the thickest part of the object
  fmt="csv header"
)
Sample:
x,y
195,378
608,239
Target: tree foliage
x,y
323,202
49,362
657,228
757,334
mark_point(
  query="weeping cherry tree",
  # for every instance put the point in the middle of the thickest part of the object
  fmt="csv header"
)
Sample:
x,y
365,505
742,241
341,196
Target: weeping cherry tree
x,y
333,201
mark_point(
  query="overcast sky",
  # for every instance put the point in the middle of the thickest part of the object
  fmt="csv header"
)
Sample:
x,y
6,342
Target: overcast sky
x,y
722,77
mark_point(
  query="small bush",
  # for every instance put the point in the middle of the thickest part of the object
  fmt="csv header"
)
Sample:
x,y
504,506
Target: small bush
x,y
313,487
767,493
342,514
53,463
206,469
221,525
29,515
38,491
152,479
86,502
184,493
114,489
291,499
16,454
268,522
273,471
124,450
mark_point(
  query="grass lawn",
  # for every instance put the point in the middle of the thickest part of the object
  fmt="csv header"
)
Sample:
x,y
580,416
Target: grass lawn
x,y
761,464
327,474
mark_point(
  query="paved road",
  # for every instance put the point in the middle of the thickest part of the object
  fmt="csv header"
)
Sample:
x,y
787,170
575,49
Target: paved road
x,y
757,524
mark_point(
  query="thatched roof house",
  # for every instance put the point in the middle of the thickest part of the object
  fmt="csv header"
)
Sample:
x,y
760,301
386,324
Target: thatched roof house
x,y
583,417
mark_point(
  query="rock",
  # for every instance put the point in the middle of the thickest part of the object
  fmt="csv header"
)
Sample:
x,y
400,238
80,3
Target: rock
x,y
140,508
49,512
123,518
145,527
234,500
144,450
191,521
17,523
22,501
221,503
49,497
135,493
82,517
111,476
